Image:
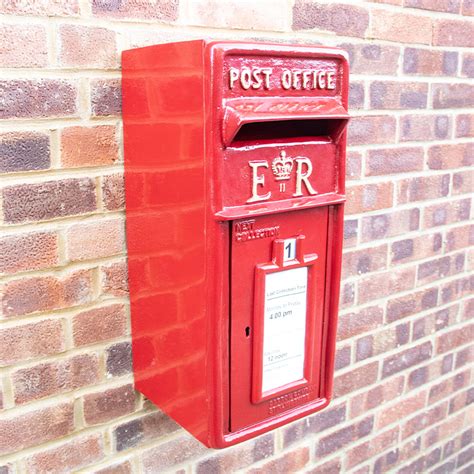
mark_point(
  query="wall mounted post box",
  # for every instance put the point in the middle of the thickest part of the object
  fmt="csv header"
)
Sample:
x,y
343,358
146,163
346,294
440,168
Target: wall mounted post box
x,y
234,175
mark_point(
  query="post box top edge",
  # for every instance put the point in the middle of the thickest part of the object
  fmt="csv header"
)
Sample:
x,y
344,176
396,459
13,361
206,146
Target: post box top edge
x,y
260,47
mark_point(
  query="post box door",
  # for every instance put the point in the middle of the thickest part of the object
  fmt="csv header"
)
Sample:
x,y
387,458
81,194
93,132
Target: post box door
x,y
276,313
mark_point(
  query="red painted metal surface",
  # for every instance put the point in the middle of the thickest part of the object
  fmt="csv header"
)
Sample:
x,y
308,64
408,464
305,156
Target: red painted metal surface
x,y
231,149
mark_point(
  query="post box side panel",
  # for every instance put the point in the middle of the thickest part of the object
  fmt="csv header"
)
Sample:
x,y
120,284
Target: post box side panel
x,y
163,110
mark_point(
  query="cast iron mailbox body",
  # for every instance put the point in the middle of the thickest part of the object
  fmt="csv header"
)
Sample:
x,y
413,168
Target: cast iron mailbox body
x,y
234,175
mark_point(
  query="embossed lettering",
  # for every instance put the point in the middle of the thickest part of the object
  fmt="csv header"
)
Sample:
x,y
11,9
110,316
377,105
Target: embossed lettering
x,y
258,180
303,177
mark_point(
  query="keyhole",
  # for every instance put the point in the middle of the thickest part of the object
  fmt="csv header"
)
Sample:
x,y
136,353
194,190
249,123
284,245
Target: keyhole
x,y
247,331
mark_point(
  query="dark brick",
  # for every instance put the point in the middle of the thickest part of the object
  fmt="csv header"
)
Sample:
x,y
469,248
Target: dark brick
x,y
119,359
37,202
106,97
364,348
37,98
356,95
449,6
343,19
343,357
24,152
402,249
163,10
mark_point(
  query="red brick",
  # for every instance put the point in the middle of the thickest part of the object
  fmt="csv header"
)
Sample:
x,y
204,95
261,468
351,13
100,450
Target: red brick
x,y
360,453
454,339
446,96
289,462
112,403
447,213
422,188
402,408
464,125
343,19
347,296
216,14
363,261
28,341
355,379
448,6
76,454
106,97
394,160
467,65
163,10
369,197
382,341
439,268
395,25
429,62
379,395
99,324
433,322
115,279
49,200
372,129
447,32
421,127
31,295
351,227
457,289
356,95
120,468
353,165
331,467
40,8
317,423
170,453
76,43
38,98
441,157
461,400
403,306
467,7
95,239
391,282
341,438
24,151
448,387
423,420
397,95
463,182
416,248
31,251
407,358
51,378
113,193
88,146
390,224
372,58
364,320
23,46
464,357
23,430
241,456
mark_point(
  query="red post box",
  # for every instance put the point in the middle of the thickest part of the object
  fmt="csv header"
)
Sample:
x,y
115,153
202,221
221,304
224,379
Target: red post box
x,y
234,175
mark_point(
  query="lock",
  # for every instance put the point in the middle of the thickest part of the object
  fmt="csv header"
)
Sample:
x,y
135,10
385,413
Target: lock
x,y
235,187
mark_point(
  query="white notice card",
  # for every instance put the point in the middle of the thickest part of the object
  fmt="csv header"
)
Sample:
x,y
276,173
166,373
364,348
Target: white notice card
x,y
284,327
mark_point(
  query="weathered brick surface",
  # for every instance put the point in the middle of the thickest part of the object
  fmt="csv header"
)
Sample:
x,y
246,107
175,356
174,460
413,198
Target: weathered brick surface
x,y
33,427
37,98
88,146
402,392
112,403
48,200
28,251
24,152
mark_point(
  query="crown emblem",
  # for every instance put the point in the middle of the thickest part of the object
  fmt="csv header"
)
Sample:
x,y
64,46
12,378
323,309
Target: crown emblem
x,y
282,166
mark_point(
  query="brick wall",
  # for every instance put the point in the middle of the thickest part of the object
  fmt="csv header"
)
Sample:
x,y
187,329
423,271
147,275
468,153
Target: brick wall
x,y
405,351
